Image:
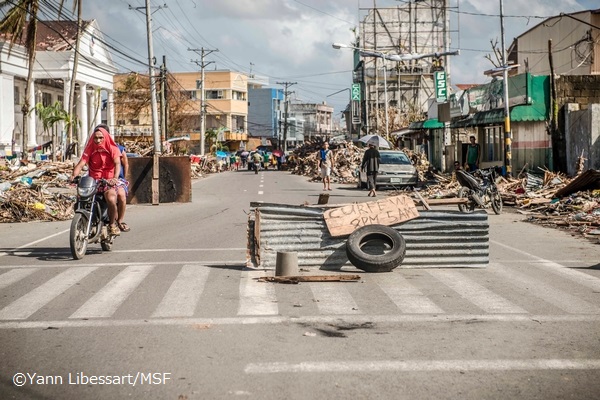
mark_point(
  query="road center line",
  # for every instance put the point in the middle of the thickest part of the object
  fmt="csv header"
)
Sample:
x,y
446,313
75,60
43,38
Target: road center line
x,y
424,366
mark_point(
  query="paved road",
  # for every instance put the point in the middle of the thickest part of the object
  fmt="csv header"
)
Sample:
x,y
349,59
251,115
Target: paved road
x,y
173,311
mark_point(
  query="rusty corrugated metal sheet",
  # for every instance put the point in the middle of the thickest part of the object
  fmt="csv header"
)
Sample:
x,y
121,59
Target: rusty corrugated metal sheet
x,y
175,180
435,239
589,180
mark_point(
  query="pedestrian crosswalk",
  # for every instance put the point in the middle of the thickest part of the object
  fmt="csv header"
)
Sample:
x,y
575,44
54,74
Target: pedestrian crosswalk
x,y
29,293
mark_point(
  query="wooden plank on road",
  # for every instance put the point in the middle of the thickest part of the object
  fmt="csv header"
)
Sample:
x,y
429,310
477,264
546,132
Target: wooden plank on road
x,y
389,211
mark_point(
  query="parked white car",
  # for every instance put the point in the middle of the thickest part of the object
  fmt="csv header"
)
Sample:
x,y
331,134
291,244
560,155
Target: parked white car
x,y
395,169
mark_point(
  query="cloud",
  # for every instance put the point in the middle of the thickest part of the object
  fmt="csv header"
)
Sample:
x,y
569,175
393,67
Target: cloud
x,y
291,39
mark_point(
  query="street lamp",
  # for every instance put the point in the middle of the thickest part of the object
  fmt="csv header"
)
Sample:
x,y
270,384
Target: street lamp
x,y
396,57
393,57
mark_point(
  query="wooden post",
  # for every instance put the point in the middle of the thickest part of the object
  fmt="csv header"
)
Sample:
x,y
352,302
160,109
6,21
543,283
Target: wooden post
x,y
155,176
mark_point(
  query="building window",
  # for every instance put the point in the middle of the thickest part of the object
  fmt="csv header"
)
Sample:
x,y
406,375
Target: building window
x,y
192,95
239,95
135,122
46,99
61,99
17,95
198,83
214,94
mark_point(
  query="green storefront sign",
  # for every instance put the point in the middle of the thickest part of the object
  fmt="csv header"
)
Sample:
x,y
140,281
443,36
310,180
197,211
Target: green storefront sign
x,y
356,91
441,86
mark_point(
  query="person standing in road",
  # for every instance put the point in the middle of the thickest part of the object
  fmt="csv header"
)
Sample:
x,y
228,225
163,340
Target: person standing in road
x,y
326,165
370,164
473,154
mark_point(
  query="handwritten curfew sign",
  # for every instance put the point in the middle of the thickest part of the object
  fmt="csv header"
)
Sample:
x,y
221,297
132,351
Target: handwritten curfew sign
x,y
390,211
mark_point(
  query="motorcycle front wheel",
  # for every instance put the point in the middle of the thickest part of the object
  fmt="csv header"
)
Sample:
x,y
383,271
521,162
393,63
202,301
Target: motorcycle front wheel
x,y
77,237
469,207
106,244
496,203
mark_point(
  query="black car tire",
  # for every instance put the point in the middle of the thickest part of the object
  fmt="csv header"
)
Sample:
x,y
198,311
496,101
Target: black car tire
x,y
376,262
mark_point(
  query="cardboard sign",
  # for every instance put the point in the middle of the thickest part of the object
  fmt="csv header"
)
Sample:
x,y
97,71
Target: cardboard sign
x,y
390,211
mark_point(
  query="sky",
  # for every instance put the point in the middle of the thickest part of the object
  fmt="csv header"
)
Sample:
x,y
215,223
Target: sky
x,y
290,40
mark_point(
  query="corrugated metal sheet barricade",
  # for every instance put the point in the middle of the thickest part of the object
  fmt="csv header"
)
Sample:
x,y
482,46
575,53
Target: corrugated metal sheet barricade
x,y
435,239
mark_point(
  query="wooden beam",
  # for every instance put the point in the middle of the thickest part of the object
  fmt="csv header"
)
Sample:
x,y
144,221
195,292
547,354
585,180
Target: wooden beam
x,y
309,278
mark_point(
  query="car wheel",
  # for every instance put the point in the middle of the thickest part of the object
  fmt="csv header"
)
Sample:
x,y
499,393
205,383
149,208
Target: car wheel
x,y
384,261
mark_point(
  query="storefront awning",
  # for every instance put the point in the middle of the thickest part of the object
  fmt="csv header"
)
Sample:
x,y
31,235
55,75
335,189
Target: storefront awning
x,y
431,123
493,117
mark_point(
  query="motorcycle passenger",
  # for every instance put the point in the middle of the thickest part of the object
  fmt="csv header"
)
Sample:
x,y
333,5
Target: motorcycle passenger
x,y
103,158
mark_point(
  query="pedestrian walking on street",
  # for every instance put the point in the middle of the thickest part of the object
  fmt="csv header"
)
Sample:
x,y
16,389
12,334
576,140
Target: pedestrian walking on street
x,y
326,165
370,164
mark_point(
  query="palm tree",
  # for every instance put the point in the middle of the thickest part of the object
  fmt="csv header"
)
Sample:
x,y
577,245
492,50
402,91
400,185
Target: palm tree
x,y
22,13
50,116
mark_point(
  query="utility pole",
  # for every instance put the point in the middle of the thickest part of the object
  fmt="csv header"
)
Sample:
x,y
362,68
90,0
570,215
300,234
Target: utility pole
x,y
285,112
163,99
153,105
507,132
151,62
203,52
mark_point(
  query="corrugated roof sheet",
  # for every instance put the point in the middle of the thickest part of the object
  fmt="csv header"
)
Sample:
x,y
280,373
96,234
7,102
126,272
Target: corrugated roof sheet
x,y
435,239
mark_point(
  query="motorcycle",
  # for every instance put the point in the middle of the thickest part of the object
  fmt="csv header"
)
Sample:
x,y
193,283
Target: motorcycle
x,y
90,222
479,189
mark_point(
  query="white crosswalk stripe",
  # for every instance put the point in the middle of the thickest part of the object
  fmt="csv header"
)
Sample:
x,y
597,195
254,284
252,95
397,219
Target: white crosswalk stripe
x,y
559,298
475,293
105,302
14,276
259,299
25,306
256,298
333,298
183,295
408,298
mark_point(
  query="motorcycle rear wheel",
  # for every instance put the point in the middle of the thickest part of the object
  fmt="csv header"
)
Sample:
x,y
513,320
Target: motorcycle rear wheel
x,y
496,203
468,207
77,237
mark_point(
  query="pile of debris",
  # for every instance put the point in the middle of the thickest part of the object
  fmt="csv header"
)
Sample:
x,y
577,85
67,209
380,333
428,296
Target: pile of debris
x,y
557,201
305,161
348,157
36,192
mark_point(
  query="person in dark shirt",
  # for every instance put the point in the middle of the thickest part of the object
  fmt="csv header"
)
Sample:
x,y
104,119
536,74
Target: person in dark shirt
x,y
370,164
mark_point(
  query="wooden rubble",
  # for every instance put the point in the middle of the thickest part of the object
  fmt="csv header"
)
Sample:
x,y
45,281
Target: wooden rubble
x,y
40,191
347,159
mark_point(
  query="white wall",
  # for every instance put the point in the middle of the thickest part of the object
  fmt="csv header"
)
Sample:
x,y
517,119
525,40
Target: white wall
x,y
7,100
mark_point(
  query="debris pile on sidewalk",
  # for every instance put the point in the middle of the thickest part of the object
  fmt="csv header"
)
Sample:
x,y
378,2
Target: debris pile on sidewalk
x,y
36,192
560,202
348,157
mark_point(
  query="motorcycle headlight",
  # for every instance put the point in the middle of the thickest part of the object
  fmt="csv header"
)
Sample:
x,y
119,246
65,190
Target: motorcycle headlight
x,y
85,191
